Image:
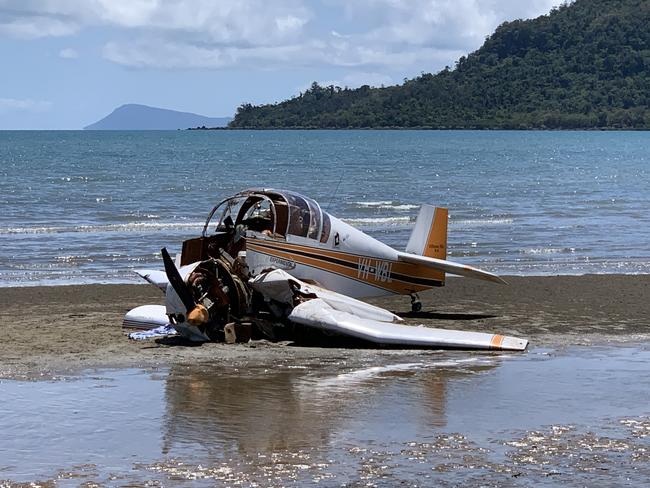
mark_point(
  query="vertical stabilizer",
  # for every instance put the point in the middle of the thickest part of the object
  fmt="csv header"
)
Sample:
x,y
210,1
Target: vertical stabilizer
x,y
429,237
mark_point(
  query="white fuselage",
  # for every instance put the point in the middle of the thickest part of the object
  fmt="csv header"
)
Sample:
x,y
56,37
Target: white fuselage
x,y
350,262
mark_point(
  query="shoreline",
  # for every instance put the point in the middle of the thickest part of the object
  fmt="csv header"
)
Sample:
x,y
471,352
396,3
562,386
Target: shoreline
x,y
64,329
138,281
417,128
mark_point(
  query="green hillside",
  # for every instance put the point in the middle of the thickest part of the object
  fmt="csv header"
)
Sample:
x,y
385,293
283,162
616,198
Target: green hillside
x,y
584,65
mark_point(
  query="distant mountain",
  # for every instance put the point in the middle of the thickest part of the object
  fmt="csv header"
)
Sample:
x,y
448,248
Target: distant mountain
x,y
141,117
584,65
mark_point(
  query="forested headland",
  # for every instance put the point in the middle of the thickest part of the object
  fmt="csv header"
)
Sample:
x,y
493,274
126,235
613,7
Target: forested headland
x,y
585,65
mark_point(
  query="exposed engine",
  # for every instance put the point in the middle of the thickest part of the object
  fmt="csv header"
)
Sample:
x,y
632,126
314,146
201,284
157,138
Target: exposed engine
x,y
218,297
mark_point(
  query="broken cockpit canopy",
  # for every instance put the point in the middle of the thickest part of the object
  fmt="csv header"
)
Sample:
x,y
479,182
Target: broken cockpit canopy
x,y
272,212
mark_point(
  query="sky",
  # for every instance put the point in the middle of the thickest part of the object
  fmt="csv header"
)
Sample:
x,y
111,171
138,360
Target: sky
x,y
68,63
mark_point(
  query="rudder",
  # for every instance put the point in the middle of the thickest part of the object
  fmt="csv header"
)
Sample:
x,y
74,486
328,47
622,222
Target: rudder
x,y
429,237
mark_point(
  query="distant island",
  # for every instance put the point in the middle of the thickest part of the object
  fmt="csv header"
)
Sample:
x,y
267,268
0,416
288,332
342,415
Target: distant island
x,y
142,117
585,65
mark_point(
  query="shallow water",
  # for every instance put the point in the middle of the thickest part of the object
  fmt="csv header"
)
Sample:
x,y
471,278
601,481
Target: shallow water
x,y
90,206
546,416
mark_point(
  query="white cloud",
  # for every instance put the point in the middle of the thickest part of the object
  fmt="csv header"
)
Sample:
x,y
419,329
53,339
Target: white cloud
x,y
158,53
68,53
256,22
26,105
353,80
290,23
451,24
206,34
37,27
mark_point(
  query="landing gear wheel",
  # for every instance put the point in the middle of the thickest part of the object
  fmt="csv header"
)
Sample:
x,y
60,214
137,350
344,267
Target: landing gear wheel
x,y
416,304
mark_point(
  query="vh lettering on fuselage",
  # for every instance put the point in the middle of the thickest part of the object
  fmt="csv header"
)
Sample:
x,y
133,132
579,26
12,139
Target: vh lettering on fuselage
x,y
284,264
370,269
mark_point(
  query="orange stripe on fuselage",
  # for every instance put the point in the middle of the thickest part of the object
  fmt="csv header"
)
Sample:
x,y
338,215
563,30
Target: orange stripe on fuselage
x,y
389,275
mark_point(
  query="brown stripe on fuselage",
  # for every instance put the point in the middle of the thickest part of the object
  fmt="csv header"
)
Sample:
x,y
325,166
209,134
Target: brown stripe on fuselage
x,y
396,277
334,269
408,270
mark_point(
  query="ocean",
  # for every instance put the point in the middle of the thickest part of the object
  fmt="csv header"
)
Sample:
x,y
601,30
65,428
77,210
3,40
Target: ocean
x,y
89,207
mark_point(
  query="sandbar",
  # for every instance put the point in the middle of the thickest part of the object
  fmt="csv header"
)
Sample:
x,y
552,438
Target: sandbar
x,y
53,330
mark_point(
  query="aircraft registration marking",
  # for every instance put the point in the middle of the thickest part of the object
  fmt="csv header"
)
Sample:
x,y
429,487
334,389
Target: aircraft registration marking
x,y
282,263
375,269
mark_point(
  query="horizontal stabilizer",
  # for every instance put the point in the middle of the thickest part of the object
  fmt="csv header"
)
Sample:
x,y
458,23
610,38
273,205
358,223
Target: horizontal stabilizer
x,y
450,267
318,314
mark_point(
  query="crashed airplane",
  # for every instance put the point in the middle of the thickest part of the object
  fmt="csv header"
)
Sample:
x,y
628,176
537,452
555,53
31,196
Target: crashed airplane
x,y
271,263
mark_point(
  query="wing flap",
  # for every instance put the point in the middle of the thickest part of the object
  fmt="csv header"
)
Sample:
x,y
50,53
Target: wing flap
x,y
318,314
450,267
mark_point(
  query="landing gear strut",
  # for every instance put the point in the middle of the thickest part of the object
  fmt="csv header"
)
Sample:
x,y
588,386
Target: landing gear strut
x,y
416,304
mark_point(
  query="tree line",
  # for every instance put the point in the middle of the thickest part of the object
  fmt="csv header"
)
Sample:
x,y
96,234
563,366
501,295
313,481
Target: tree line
x,y
584,65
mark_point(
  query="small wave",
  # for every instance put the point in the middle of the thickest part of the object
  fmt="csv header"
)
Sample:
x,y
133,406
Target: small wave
x,y
405,206
380,203
386,205
140,215
68,179
130,227
549,250
73,259
378,221
479,222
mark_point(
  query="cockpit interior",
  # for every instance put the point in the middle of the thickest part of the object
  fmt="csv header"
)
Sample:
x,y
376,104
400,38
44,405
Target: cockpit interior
x,y
272,213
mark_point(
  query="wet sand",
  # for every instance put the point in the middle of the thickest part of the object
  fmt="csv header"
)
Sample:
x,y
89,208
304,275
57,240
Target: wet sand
x,y
572,411
59,330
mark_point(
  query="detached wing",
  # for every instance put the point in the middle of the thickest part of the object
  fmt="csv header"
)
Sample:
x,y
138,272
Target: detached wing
x,y
450,267
342,315
318,314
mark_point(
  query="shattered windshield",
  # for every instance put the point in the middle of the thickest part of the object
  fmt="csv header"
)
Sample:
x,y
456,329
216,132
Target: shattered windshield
x,y
314,223
304,215
257,212
299,217
257,215
225,214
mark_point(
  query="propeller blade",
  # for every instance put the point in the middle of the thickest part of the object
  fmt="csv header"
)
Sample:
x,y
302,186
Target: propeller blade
x,y
177,282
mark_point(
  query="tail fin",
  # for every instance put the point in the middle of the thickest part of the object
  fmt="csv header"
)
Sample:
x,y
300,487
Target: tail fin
x,y
427,248
429,237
